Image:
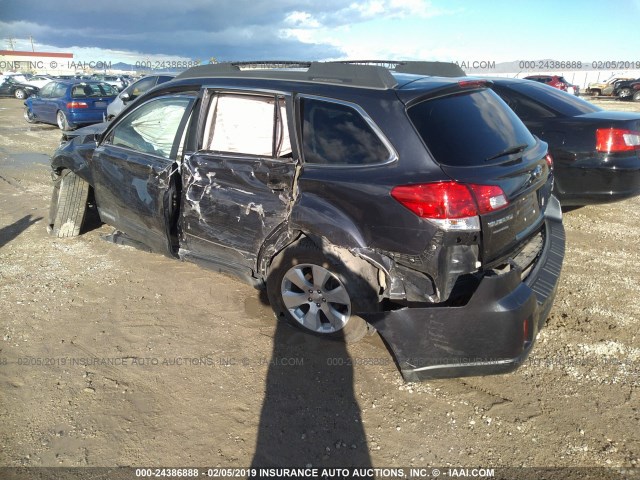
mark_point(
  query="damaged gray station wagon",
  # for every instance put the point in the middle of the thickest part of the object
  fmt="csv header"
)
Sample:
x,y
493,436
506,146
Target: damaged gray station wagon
x,y
400,197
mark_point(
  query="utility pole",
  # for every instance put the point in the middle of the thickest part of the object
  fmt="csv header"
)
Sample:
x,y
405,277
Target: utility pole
x,y
11,44
31,38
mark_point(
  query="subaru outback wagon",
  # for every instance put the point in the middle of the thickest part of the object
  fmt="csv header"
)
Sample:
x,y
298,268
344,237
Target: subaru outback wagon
x,y
363,197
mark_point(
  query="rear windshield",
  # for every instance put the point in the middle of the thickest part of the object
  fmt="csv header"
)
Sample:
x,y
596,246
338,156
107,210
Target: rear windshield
x,y
85,90
470,128
562,102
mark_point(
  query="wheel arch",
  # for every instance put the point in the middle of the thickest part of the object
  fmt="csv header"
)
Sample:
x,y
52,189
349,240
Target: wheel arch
x,y
75,163
365,262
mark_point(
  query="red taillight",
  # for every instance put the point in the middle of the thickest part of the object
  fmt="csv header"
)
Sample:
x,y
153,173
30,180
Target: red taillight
x,y
473,83
610,140
489,198
549,159
450,200
437,200
77,105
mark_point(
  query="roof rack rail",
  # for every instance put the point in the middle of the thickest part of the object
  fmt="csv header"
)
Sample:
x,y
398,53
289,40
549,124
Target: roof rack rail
x,y
433,69
333,73
353,73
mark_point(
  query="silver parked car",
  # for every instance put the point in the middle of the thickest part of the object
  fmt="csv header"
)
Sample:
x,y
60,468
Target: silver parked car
x,y
133,91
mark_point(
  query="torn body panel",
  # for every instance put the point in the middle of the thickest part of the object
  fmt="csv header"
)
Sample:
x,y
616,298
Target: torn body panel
x,y
231,205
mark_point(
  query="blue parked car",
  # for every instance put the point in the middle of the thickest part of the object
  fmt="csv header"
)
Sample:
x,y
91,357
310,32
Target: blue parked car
x,y
70,103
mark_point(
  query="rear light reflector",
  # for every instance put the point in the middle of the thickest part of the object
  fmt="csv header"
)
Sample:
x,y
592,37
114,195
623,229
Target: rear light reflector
x,y
77,105
611,140
451,205
549,159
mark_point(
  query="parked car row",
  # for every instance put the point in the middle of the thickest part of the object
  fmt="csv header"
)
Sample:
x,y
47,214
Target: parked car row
x,y
22,86
71,103
624,88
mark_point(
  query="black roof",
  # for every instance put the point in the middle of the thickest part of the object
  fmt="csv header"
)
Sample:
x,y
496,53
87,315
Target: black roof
x,y
375,74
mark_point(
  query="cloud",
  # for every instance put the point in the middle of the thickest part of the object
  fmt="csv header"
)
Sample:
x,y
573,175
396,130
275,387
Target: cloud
x,y
228,30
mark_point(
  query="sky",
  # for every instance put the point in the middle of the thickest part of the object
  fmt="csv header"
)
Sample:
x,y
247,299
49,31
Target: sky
x,y
463,31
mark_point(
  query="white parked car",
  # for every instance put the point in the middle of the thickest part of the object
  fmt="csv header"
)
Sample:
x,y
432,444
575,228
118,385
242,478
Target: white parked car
x,y
38,80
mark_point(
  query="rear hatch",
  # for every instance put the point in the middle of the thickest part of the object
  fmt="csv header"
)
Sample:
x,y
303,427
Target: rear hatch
x,y
92,96
478,141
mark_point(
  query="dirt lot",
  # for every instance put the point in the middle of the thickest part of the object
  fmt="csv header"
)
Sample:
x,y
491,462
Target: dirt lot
x,y
112,356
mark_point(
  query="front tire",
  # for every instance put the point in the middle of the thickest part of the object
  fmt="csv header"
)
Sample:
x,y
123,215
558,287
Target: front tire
x,y
636,96
63,123
321,296
68,205
20,94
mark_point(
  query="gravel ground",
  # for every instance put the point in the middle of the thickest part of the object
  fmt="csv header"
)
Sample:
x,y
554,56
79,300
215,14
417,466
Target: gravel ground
x,y
192,368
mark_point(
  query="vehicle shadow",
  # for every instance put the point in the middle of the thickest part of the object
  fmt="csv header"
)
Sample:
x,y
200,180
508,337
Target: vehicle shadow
x,y
92,219
310,416
12,231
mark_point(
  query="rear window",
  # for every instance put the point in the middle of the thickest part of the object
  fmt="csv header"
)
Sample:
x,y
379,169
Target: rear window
x,y
562,102
469,128
86,90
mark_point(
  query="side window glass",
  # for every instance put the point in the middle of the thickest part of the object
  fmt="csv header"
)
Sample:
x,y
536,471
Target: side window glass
x,y
153,127
247,124
142,86
60,90
524,107
337,134
47,90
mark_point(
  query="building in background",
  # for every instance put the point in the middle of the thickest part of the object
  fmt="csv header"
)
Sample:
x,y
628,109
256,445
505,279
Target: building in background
x,y
38,62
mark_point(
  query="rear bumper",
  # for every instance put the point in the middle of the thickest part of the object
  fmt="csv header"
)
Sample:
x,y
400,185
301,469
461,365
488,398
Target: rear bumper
x,y
86,117
598,180
493,333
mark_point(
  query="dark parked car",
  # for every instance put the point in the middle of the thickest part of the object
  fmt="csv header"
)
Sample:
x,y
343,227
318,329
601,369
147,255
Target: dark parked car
x,y
359,197
625,90
555,81
11,88
70,103
596,152
133,91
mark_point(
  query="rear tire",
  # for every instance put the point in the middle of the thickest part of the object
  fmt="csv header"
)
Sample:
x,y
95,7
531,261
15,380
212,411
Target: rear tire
x,y
321,296
28,115
68,205
61,119
636,96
